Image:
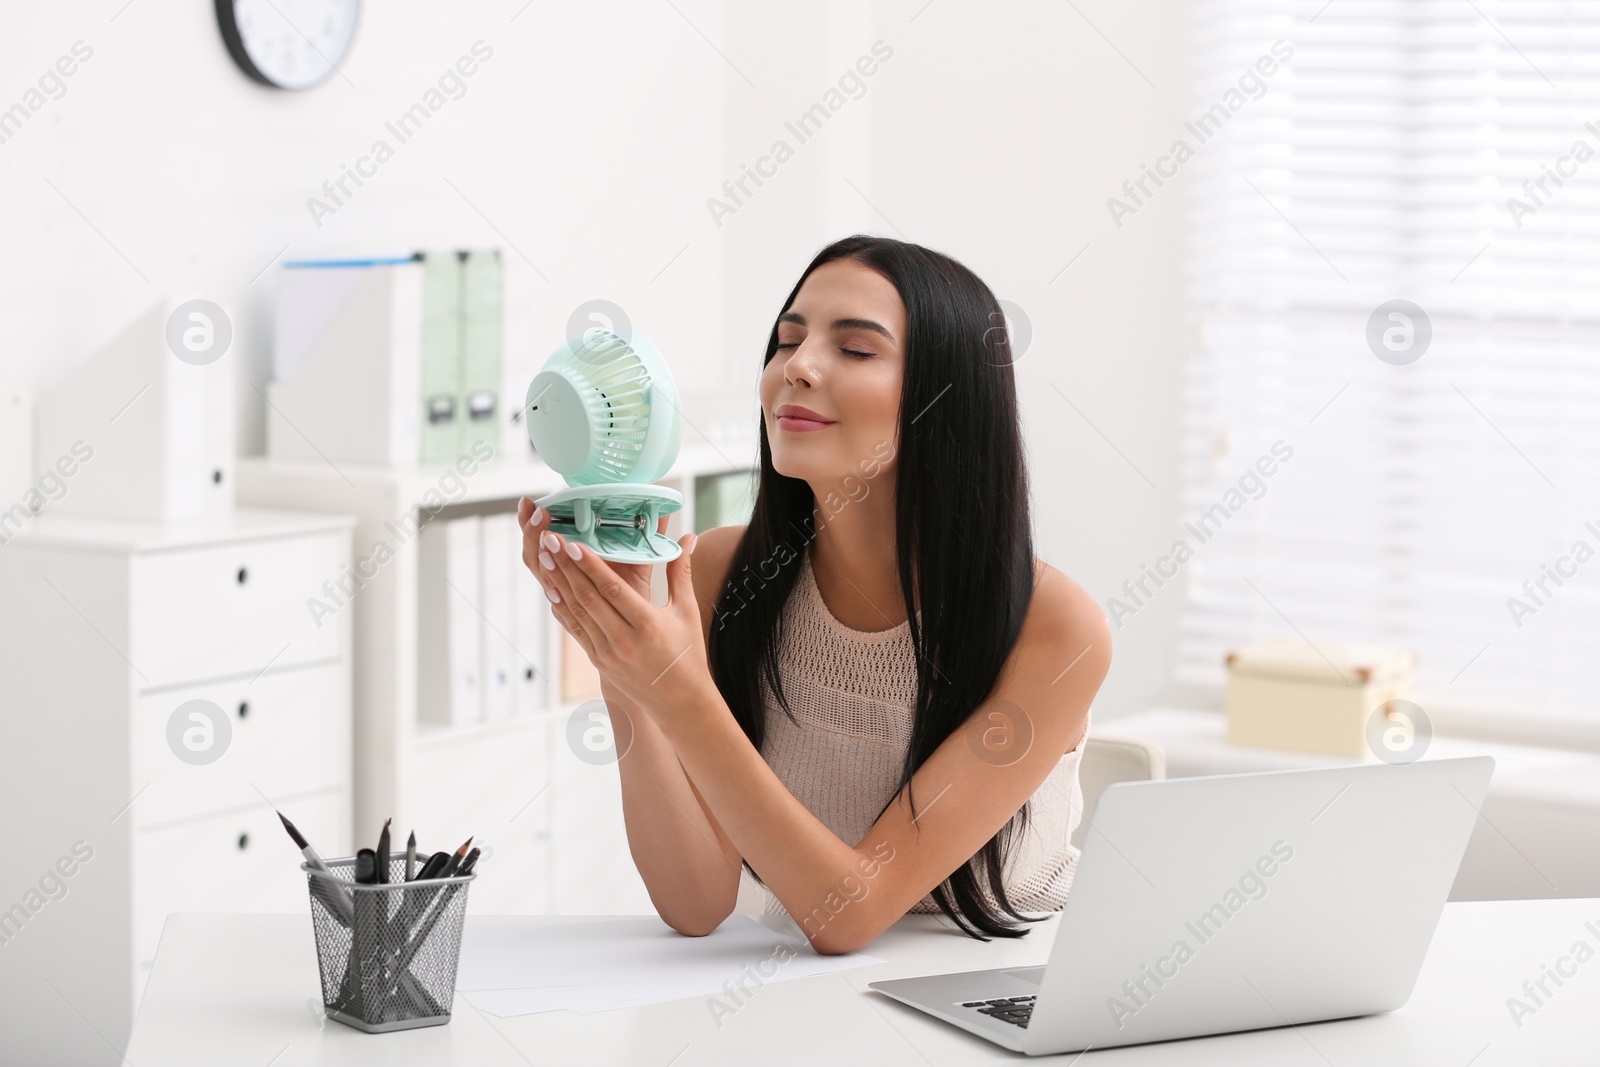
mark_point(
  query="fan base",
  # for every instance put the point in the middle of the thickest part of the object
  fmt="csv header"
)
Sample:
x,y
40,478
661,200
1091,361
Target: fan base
x,y
617,521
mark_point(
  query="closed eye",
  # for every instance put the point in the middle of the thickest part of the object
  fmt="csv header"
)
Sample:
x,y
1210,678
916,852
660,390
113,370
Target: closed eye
x,y
846,351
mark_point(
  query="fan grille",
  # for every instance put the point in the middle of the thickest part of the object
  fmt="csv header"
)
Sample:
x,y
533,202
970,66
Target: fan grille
x,y
616,388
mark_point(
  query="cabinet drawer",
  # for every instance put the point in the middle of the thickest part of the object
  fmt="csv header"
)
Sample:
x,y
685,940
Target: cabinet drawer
x,y
232,863
288,732
233,609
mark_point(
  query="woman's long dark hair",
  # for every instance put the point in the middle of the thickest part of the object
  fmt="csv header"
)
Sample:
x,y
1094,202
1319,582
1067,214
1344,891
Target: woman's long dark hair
x,y
963,537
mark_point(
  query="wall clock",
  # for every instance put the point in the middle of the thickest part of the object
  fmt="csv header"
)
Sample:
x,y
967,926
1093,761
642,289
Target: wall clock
x,y
288,44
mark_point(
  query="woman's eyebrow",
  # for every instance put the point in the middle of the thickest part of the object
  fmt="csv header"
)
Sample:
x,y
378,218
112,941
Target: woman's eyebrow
x,y
840,324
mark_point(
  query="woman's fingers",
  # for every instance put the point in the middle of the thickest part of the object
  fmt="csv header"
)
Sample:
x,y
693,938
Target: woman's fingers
x,y
533,520
592,611
559,593
595,584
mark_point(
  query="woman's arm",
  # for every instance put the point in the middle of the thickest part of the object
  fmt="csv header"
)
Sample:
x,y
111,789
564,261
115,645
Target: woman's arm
x,y
967,789
688,864
844,894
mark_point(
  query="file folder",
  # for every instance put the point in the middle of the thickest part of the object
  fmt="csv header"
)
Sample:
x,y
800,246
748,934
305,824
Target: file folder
x,y
449,623
531,659
500,550
481,297
392,360
441,414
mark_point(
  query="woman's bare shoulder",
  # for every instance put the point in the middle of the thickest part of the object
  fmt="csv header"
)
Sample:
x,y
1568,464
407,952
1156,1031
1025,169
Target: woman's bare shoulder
x,y
712,554
1065,618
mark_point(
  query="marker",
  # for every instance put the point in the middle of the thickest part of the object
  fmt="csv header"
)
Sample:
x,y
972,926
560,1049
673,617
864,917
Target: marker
x,y
434,866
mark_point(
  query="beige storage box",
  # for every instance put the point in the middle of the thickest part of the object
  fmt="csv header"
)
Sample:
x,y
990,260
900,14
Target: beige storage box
x,y
1285,694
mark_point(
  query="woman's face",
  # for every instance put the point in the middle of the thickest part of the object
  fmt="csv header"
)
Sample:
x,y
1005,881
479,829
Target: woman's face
x,y
840,354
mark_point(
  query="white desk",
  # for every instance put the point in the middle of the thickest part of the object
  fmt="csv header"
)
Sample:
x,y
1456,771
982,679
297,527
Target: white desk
x,y
230,989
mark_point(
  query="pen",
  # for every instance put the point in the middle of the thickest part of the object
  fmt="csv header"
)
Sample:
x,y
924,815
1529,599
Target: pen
x,y
366,866
431,919
411,856
467,864
330,897
382,856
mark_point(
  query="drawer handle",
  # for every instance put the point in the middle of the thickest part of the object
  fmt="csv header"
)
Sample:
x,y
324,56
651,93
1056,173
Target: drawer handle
x,y
244,842
244,708
243,574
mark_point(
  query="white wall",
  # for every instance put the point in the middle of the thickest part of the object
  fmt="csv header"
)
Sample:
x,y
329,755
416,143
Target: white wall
x,y
588,146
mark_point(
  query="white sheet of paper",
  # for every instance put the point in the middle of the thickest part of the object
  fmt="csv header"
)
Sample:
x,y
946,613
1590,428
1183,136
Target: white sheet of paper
x,y
596,966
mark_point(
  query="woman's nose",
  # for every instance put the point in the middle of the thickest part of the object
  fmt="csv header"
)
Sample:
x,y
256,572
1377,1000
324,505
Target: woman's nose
x,y
800,367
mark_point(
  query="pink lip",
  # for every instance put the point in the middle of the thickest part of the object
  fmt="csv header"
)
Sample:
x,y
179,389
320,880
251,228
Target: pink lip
x,y
795,417
789,422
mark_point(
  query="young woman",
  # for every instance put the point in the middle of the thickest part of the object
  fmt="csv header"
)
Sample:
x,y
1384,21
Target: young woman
x,y
874,696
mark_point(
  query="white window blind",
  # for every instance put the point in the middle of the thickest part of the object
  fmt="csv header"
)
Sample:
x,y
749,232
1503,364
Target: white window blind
x,y
1420,498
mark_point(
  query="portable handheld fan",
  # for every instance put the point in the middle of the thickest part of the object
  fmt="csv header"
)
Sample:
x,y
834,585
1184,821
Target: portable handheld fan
x,y
603,413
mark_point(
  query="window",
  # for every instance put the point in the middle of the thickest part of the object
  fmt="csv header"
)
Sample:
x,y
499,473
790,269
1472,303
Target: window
x,y
1445,153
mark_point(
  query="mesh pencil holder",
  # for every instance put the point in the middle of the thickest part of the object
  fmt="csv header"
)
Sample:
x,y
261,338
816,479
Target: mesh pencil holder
x,y
387,952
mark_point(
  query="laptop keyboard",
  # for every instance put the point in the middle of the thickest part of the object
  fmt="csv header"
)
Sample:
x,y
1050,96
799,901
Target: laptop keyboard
x,y
1017,1010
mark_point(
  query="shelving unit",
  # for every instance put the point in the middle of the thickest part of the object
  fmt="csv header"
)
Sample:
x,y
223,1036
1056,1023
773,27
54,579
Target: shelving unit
x,y
552,822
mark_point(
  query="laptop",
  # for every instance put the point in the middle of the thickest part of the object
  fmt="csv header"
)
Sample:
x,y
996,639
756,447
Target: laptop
x,y
1233,902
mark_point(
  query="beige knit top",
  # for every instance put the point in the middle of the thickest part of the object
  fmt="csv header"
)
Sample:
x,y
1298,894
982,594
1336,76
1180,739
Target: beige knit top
x,y
854,695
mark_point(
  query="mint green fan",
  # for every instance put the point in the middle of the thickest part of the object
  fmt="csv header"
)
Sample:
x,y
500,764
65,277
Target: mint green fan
x,y
603,413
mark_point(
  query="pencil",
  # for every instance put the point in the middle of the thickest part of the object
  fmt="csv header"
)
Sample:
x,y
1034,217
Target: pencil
x,y
382,853
455,861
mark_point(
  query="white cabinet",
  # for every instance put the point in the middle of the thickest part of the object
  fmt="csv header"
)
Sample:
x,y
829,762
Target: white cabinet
x,y
163,687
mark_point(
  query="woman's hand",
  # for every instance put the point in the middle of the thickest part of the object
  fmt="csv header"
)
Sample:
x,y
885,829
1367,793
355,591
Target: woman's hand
x,y
536,521
654,656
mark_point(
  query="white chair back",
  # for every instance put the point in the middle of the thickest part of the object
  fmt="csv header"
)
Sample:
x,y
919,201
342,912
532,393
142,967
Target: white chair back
x,y
1108,759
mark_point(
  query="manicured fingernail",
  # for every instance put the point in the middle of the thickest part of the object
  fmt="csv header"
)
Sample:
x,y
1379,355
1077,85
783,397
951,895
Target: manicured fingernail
x,y
538,514
548,540
548,563
695,540
573,550
550,591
